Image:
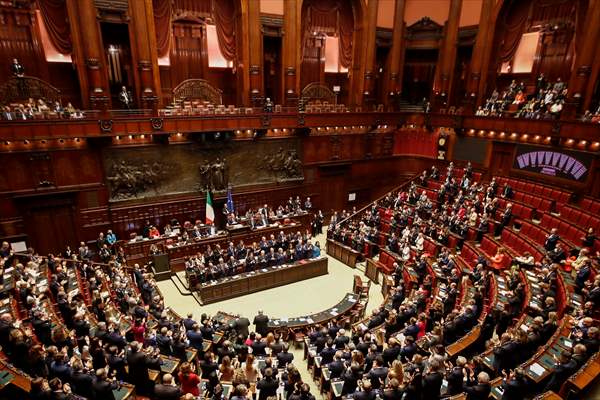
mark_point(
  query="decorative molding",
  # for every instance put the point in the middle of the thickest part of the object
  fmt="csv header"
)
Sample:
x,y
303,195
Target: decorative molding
x,y
197,89
92,63
254,70
336,146
18,90
106,125
157,123
145,65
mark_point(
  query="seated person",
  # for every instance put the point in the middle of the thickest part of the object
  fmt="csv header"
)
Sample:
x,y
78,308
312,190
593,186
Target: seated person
x,y
499,260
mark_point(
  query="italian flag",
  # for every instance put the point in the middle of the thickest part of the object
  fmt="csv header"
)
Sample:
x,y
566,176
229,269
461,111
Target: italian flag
x,y
210,212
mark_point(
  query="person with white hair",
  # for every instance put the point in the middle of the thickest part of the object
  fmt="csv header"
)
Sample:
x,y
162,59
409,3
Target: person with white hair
x,y
479,390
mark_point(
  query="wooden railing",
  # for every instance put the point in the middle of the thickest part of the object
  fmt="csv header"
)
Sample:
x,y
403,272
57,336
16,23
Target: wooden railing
x,y
97,124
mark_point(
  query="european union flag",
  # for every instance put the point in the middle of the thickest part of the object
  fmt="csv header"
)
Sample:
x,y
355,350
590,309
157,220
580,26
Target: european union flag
x,y
229,200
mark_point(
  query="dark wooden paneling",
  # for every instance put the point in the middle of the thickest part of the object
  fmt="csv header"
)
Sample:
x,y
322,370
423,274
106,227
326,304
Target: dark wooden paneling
x,y
64,77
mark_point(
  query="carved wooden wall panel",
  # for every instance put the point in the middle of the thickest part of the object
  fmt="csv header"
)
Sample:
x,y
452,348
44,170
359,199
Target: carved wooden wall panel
x,y
146,172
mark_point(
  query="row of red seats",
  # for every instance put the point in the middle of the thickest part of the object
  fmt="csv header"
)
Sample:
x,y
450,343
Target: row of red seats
x,y
488,247
458,173
519,245
591,205
565,229
540,203
519,210
537,234
560,196
386,261
583,218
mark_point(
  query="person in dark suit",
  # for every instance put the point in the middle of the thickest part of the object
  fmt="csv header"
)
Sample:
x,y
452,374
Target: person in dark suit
x,y
259,346
551,240
455,377
195,337
365,391
564,368
432,380
479,391
336,367
81,381
514,386
241,326
261,323
393,391
138,369
267,385
327,353
284,357
504,353
351,378
101,387
188,323
378,373
17,69
302,393
166,390
558,254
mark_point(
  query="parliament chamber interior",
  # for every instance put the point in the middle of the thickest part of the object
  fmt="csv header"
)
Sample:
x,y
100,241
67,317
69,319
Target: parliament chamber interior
x,y
300,199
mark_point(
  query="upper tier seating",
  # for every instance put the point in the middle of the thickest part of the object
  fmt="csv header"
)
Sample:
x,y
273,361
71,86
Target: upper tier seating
x,y
558,195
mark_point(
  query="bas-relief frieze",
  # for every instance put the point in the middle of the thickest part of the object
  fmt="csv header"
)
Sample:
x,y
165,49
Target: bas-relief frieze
x,y
145,172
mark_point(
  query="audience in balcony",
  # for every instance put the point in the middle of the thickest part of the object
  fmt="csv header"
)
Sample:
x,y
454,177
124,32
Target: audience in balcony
x,y
39,109
593,117
546,102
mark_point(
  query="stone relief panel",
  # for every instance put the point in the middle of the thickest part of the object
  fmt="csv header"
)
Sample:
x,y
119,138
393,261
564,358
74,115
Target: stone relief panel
x,y
145,172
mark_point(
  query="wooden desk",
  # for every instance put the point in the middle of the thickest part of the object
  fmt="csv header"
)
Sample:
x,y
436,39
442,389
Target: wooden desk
x,y
581,379
371,271
341,308
342,253
139,251
124,392
267,278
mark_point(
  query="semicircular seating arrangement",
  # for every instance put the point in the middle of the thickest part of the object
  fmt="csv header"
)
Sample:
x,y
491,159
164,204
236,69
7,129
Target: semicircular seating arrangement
x,y
510,284
477,299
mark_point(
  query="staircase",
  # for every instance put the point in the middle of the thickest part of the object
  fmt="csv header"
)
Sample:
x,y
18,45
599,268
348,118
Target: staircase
x,y
408,107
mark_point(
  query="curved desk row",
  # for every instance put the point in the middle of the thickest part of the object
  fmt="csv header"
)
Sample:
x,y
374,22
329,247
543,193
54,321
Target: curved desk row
x,y
266,278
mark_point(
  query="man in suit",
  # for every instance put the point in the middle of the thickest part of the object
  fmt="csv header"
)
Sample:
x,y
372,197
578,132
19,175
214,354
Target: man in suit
x,y
432,380
336,367
188,323
481,390
166,390
267,385
81,381
504,353
366,391
241,326
102,388
258,346
514,385
284,357
327,353
565,367
17,69
455,377
378,373
7,114
551,240
505,220
351,377
341,340
138,369
261,323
